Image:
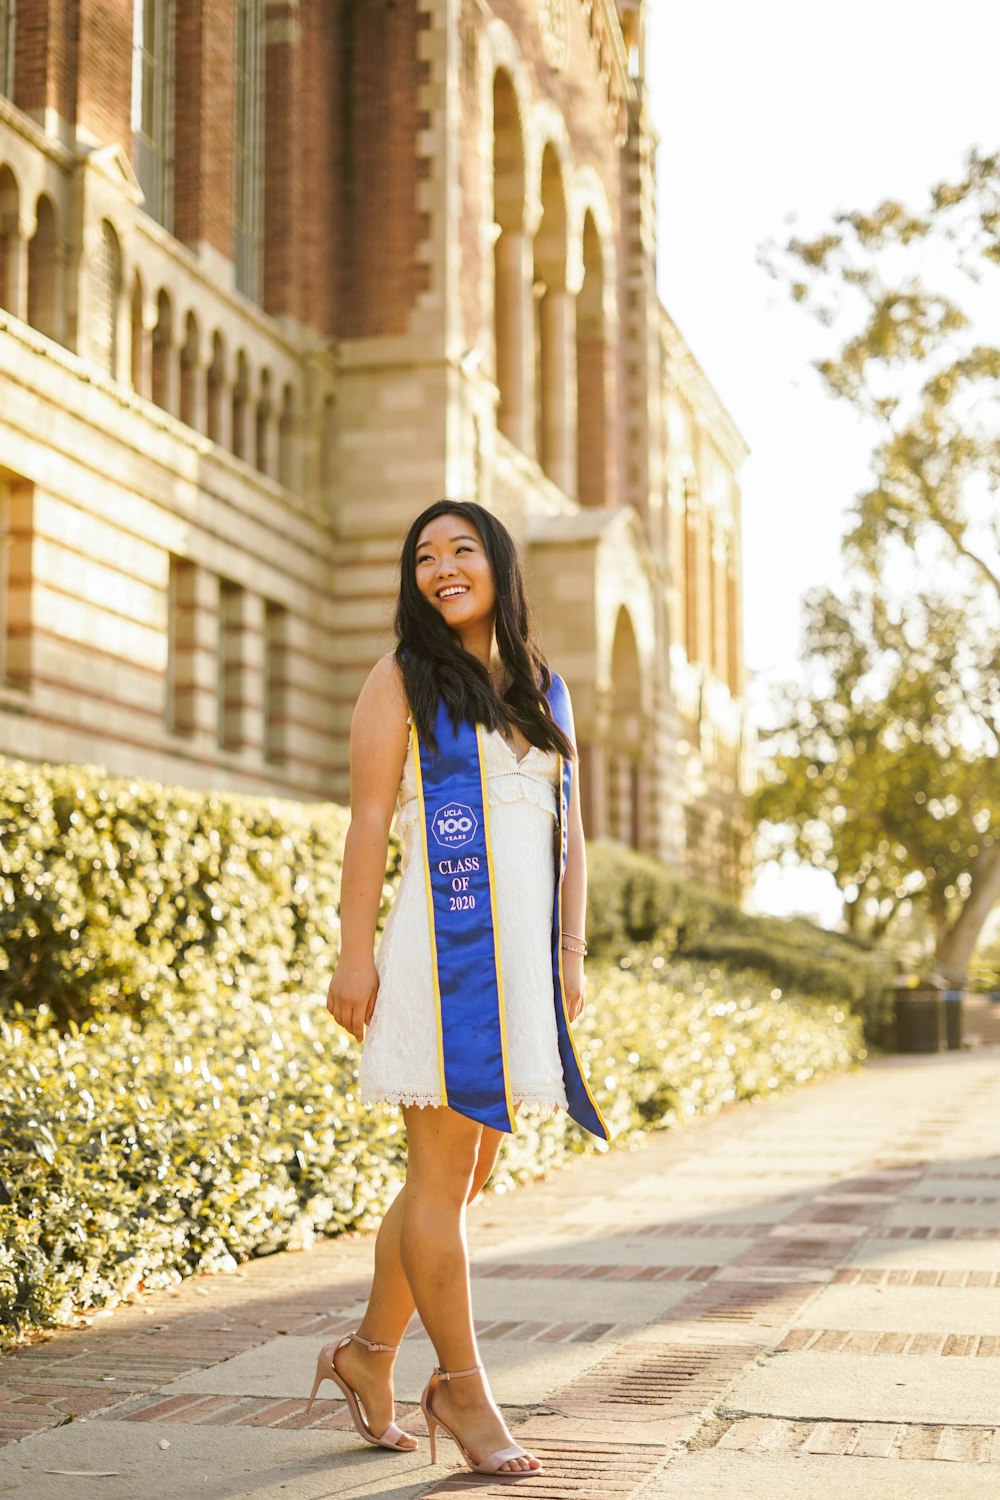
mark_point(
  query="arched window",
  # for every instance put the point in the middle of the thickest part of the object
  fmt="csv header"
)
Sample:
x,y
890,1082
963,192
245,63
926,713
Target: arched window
x,y
44,311
190,373
286,439
138,340
264,424
241,394
153,104
163,352
216,389
248,174
107,287
10,241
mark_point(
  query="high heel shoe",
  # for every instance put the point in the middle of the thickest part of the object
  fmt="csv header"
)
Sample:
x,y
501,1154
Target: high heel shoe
x,y
327,1370
488,1465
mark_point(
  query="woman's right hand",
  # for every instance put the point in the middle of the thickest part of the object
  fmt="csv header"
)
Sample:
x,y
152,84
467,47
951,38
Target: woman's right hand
x,y
351,996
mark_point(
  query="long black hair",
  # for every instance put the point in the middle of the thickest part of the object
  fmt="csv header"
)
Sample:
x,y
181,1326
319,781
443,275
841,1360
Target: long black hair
x,y
435,664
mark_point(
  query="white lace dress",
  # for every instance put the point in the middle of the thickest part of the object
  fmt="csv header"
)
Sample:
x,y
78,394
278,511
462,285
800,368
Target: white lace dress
x,y
399,1061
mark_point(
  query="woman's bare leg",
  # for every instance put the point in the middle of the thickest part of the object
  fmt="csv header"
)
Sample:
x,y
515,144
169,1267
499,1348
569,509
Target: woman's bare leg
x,y
390,1303
442,1155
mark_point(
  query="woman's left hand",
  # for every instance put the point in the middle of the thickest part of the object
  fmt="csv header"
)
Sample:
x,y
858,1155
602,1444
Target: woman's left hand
x,y
574,982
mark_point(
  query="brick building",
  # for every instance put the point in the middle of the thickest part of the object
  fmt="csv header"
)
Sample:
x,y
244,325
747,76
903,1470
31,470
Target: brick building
x,y
274,274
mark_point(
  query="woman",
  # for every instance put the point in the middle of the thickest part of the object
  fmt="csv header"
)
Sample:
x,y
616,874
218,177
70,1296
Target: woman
x,y
464,1012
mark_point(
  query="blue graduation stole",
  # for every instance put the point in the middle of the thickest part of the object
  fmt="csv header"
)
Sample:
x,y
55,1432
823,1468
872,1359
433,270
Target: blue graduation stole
x,y
461,903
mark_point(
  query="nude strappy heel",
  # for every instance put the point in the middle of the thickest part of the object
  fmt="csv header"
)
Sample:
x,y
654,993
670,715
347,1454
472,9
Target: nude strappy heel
x,y
327,1370
491,1463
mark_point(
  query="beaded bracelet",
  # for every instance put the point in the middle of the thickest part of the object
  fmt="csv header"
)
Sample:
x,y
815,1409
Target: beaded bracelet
x,y
569,946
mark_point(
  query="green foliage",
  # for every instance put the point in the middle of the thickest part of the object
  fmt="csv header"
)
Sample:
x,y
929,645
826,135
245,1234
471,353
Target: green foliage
x,y
114,887
885,766
879,774
139,1152
631,897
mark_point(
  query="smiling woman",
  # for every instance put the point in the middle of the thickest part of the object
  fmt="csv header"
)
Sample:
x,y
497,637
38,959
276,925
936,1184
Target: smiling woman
x,y
464,1013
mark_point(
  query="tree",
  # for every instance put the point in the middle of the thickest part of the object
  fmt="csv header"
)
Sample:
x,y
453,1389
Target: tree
x,y
886,761
885,769
914,370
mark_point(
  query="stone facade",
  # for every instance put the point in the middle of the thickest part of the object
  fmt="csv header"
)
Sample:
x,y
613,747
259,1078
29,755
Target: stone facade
x,y
246,332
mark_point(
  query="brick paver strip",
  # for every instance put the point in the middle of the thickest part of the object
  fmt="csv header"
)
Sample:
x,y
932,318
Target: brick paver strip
x,y
583,1470
863,1439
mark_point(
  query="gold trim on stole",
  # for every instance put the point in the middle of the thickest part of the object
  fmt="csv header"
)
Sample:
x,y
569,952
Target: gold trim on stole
x,y
430,910
496,929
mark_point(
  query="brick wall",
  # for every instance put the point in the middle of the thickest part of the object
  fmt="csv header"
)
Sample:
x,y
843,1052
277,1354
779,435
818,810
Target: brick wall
x,y
204,122
318,230
375,163
45,57
105,70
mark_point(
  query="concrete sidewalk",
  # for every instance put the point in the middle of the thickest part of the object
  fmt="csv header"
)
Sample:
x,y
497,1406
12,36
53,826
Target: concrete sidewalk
x,y
797,1298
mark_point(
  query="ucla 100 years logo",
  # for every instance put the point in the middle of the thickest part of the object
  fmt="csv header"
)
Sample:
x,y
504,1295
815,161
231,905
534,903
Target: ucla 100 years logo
x,y
454,825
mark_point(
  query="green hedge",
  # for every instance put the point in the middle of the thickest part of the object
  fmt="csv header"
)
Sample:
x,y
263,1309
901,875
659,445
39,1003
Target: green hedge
x,y
632,896
138,1152
115,889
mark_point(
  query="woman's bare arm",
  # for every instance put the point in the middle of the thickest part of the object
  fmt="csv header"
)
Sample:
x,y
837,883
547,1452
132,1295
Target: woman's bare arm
x,y
379,733
574,896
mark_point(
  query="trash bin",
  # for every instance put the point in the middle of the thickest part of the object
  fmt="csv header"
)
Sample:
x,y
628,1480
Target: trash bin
x,y
954,1015
920,1021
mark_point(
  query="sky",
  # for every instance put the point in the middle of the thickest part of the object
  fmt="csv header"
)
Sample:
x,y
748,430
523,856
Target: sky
x,y
772,117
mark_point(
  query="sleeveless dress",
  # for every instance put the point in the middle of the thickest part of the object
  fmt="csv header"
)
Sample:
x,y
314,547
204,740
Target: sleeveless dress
x,y
399,1061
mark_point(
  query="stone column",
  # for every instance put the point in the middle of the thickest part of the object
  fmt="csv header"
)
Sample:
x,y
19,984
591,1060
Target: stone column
x,y
289,441
223,397
558,321
264,437
171,389
61,265
515,339
143,319
196,376
243,413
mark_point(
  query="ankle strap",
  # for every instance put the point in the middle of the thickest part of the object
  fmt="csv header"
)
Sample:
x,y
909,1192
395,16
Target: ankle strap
x,y
375,1348
453,1374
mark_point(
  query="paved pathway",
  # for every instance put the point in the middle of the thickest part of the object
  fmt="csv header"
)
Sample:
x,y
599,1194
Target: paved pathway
x,y
796,1298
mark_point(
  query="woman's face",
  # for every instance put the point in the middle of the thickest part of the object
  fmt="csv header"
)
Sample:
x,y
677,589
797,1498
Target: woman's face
x,y
453,571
